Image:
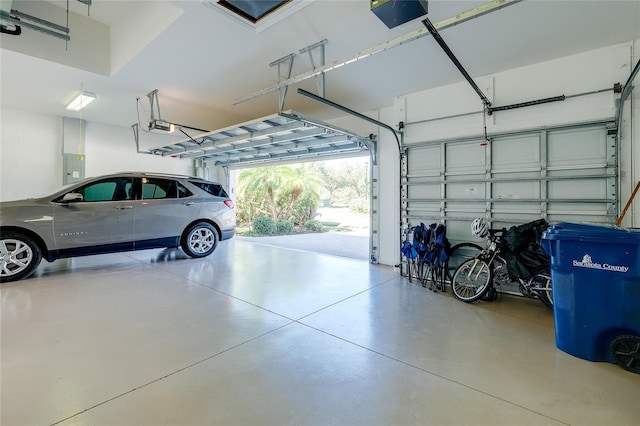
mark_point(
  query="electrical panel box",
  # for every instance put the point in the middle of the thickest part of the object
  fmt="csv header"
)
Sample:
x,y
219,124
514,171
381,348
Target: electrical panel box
x,y
397,12
73,165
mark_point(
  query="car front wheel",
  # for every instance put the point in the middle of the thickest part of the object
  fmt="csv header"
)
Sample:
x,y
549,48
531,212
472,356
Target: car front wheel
x,y
19,256
200,240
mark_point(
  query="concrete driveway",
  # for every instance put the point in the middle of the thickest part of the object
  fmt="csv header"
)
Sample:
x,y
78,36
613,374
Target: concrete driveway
x,y
344,244
353,244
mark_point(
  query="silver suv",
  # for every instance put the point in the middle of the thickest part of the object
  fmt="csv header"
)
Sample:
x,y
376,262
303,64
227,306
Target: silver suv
x,y
114,213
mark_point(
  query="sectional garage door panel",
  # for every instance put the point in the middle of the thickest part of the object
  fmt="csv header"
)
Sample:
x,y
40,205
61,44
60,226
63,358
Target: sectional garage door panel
x,y
516,154
464,159
425,162
286,136
577,149
561,174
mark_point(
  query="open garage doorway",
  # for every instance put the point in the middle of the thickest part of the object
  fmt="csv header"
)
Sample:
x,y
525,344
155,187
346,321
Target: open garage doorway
x,y
320,206
286,138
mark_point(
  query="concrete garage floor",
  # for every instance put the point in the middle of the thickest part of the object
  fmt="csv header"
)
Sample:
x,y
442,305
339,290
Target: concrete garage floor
x,y
259,335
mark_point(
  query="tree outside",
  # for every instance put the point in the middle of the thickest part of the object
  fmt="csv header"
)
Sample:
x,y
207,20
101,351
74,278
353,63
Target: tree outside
x,y
285,199
346,182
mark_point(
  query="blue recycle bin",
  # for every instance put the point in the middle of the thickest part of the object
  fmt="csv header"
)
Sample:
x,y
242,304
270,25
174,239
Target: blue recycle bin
x,y
595,271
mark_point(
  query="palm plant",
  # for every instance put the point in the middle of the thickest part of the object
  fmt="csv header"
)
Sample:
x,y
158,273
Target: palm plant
x,y
274,191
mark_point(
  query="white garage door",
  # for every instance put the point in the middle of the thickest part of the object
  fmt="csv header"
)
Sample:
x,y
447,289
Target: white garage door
x,y
560,174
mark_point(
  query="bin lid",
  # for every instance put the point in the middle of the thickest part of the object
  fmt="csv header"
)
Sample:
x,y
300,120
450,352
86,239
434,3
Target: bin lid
x,y
589,232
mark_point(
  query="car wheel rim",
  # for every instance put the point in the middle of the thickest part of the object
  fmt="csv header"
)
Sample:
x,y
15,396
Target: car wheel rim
x,y
201,240
15,257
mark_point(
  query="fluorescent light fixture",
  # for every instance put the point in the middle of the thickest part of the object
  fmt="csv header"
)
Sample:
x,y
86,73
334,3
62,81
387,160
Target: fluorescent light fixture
x,y
81,101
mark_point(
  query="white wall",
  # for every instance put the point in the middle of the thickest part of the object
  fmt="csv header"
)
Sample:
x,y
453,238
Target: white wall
x,y
422,114
586,72
389,185
112,149
388,158
88,48
631,130
31,147
30,154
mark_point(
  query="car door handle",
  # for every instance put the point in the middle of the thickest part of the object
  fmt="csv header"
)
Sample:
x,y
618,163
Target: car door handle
x,y
124,207
189,203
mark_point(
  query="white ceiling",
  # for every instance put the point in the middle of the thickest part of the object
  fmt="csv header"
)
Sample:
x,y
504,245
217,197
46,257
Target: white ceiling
x,y
202,61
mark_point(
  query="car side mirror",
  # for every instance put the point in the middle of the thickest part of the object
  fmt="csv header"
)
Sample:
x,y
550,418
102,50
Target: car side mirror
x,y
71,197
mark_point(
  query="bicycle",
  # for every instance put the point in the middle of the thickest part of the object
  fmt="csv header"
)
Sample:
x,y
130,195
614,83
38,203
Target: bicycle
x,y
457,255
473,278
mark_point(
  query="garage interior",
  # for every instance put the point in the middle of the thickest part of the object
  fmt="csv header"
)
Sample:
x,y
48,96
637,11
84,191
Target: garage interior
x,y
262,335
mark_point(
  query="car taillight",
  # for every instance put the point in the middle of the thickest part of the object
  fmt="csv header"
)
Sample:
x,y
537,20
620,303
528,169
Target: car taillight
x,y
229,203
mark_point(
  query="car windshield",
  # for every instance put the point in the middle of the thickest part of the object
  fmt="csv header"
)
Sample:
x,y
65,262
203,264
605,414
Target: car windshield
x,y
68,186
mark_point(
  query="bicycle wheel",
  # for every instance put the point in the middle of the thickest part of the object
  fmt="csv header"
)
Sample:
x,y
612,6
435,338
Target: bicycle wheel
x,y
541,285
471,280
458,254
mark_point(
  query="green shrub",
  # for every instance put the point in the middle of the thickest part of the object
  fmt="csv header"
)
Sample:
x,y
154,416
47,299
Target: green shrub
x,y
305,208
330,224
284,227
313,225
265,225
360,208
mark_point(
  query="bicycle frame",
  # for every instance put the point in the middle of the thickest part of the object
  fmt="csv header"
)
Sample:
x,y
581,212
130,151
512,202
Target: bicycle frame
x,y
488,255
491,256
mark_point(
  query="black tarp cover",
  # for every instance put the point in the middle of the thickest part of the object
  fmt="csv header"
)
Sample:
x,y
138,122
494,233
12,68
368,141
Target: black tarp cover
x,y
523,252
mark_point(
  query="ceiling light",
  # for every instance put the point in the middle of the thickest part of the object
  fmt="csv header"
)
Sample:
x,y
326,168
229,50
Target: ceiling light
x,y
81,101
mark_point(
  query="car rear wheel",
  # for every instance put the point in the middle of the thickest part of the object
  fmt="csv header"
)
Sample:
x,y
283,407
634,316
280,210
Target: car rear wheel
x,y
19,256
200,240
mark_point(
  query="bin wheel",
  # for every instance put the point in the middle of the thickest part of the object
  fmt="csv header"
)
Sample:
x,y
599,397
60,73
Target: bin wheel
x,y
626,352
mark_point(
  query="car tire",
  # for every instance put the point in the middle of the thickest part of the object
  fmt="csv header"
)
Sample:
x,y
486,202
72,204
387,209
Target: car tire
x,y
200,240
19,256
